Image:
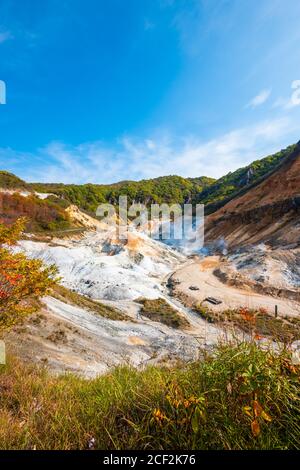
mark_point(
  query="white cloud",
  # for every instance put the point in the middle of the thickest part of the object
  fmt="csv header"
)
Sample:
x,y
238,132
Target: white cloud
x,y
5,35
134,158
292,101
259,99
295,98
280,103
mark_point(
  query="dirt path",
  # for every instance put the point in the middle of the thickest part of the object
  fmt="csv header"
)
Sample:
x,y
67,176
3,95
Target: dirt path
x,y
199,274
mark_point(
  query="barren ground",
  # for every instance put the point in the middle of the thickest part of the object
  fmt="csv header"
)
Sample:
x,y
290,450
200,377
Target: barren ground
x,y
199,273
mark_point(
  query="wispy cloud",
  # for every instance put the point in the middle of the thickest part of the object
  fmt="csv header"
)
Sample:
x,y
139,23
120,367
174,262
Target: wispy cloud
x,y
196,21
293,100
134,158
5,36
259,99
148,24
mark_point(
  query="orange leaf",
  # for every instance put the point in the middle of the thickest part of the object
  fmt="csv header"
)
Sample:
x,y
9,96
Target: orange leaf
x,y
291,368
258,337
257,408
255,428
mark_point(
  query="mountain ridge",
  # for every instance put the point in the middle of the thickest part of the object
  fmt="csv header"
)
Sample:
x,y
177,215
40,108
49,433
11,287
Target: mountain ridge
x,y
268,211
165,189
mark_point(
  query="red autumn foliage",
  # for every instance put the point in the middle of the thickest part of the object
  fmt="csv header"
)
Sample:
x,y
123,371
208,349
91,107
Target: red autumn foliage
x,y
40,214
21,280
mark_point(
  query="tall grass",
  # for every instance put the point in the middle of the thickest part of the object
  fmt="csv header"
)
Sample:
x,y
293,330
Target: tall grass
x,y
241,397
257,322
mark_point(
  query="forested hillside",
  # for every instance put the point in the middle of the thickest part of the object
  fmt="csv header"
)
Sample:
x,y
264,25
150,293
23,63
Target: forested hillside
x,y
170,189
266,211
227,187
10,181
166,189
41,214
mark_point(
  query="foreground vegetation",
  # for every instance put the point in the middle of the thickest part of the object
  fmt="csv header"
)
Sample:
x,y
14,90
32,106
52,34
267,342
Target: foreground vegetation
x,y
22,281
239,398
258,323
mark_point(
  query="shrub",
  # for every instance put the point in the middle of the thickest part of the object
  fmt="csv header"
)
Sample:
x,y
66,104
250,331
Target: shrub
x,y
160,310
257,322
106,311
22,281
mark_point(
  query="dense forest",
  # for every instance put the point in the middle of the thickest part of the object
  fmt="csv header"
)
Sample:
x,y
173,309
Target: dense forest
x,y
169,189
227,187
166,189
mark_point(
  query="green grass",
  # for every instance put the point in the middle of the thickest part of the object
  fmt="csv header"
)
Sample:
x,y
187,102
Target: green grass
x,y
259,322
159,310
238,398
66,295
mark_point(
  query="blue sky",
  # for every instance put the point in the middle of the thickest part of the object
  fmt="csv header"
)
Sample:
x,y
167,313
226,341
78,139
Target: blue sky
x,y
107,90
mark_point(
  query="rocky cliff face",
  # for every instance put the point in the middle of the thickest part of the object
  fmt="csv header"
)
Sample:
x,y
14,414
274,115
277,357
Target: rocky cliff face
x,y
268,212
